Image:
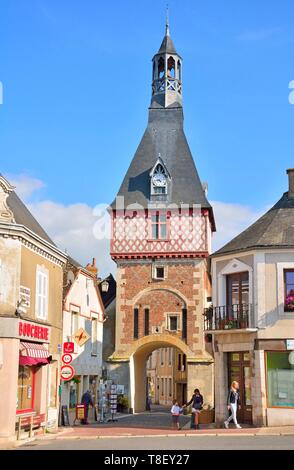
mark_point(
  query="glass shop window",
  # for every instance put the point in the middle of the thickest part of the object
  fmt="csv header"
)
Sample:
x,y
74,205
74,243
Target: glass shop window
x,y
280,379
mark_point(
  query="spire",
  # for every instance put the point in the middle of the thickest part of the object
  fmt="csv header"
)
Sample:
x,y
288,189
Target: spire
x,y
167,45
167,21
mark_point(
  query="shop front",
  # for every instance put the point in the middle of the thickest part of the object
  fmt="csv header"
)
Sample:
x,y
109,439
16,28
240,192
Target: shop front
x,y
25,376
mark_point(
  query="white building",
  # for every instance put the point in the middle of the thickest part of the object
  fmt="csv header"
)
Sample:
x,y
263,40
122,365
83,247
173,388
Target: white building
x,y
252,319
83,311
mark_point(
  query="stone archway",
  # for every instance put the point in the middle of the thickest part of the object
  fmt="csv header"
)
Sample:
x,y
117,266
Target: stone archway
x,y
140,352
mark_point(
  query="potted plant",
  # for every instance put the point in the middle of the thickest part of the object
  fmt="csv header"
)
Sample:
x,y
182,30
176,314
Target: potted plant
x,y
207,415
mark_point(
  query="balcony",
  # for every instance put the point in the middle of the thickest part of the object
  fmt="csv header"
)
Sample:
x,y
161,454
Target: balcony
x,y
229,317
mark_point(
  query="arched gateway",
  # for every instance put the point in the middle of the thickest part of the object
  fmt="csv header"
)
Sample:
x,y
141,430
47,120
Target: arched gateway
x,y
161,233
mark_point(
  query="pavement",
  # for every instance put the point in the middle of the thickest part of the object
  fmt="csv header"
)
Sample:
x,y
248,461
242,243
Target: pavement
x,y
154,424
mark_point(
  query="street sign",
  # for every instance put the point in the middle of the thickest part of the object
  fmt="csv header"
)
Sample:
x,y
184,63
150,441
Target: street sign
x,y
68,347
66,358
81,337
67,372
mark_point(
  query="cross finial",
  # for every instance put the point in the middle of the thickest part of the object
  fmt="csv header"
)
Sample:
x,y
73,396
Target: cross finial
x,y
167,20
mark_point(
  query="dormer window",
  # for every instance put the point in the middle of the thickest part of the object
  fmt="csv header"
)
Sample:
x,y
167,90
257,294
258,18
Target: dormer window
x,y
159,177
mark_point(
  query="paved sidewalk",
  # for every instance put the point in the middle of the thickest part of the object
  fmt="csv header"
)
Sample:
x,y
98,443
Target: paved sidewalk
x,y
117,430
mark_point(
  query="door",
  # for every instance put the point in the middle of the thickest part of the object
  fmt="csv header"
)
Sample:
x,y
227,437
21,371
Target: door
x,y
240,370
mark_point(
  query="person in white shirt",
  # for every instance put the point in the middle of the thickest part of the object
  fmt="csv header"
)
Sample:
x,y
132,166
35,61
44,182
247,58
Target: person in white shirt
x,y
176,410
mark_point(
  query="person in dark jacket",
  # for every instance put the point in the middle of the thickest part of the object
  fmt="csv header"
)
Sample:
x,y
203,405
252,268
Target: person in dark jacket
x,y
197,405
87,401
233,404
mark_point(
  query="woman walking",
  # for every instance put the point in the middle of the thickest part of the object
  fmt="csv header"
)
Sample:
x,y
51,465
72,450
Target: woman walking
x,y
233,405
197,405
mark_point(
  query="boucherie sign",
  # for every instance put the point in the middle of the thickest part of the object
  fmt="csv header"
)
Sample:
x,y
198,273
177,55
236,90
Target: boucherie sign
x,y
27,330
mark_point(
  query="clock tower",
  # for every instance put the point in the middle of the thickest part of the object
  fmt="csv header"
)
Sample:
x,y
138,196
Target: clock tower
x,y
161,237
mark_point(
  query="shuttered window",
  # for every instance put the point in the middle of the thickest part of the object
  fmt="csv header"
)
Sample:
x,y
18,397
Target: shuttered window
x,y
184,323
41,294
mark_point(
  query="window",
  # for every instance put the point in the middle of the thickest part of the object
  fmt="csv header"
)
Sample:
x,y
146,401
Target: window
x,y
184,362
25,388
146,320
171,67
158,226
280,379
160,68
170,355
170,387
173,322
136,323
184,324
238,289
289,290
162,387
162,357
94,324
41,294
179,361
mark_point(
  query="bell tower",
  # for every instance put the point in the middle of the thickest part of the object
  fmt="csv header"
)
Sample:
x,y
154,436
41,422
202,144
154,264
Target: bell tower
x,y
167,74
161,236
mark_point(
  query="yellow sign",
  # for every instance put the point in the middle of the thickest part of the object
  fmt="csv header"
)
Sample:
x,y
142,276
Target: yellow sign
x,y
81,336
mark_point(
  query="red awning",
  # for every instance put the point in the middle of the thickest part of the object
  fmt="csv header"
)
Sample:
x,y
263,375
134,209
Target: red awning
x,y
33,354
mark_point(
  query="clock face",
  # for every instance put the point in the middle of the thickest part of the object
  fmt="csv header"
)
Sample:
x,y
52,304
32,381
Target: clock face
x,y
159,179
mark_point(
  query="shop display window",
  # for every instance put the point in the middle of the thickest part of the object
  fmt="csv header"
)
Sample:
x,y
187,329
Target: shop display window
x,y
280,379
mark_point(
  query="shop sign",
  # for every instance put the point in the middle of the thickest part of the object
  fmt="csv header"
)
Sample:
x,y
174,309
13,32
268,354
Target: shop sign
x,y
67,372
66,358
25,295
68,347
290,344
32,331
81,337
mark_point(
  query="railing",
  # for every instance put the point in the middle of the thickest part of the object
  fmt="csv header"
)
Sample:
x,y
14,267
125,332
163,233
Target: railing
x,y
227,317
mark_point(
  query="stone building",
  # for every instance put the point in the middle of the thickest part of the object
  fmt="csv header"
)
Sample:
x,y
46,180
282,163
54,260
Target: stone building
x,y
31,278
252,318
83,310
161,238
167,376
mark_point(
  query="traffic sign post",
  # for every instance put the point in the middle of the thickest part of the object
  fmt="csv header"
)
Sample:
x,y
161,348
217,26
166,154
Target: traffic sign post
x,y
67,372
66,358
68,347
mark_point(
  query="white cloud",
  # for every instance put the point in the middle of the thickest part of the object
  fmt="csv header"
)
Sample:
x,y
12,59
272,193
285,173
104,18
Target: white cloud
x,y
25,185
71,228
231,219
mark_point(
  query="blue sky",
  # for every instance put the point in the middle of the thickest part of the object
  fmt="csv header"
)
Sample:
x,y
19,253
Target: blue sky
x,y
77,79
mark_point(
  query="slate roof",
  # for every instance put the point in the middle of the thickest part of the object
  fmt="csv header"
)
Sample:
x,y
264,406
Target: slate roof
x,y
23,216
167,46
165,136
274,229
107,297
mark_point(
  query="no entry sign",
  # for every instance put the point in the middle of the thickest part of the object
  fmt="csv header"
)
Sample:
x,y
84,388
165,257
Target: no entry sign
x,y
67,372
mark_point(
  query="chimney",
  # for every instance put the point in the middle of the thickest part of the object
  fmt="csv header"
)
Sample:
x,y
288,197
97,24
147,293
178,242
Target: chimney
x,y
92,268
290,173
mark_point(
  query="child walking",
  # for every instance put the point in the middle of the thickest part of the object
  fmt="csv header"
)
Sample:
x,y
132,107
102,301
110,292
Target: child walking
x,y
176,410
